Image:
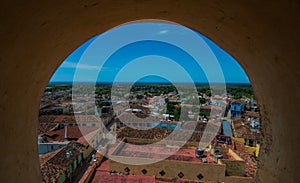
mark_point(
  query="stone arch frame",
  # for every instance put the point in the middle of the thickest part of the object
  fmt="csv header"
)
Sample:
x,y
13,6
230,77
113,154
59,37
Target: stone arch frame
x,y
262,36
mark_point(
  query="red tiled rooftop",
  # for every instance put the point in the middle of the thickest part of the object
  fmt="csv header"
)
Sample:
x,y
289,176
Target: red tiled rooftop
x,y
55,163
237,101
251,164
200,126
47,118
156,134
87,137
73,132
251,114
159,151
243,131
68,119
44,127
139,118
104,165
71,119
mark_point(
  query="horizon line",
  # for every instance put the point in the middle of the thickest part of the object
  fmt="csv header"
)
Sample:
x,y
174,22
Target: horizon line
x,y
145,82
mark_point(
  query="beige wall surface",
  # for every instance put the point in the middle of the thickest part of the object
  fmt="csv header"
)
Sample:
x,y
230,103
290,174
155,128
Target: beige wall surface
x,y
210,172
234,168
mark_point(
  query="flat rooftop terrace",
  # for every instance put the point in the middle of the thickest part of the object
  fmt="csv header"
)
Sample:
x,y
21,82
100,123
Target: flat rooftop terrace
x,y
158,151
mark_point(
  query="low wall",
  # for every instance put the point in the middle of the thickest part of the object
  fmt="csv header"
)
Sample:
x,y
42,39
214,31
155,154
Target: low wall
x,y
234,167
237,179
190,170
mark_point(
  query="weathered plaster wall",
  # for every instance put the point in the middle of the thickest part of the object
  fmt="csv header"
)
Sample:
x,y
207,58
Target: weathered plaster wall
x,y
36,36
210,172
234,168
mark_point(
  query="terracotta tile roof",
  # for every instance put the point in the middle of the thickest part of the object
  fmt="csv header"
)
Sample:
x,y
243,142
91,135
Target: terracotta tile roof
x,y
156,134
47,118
86,138
237,101
57,161
105,115
88,118
44,127
77,118
251,164
50,173
200,126
45,157
251,114
131,117
73,132
243,131
63,119
72,119
120,107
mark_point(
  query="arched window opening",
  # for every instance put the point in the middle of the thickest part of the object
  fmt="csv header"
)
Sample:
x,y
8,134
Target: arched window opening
x,y
149,99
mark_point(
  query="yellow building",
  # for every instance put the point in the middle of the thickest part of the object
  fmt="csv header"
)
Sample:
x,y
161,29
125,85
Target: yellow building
x,y
244,135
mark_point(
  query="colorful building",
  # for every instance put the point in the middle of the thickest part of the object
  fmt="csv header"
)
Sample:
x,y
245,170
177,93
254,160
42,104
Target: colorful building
x,y
236,109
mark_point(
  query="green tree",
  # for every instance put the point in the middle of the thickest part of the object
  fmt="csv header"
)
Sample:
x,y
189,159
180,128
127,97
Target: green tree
x,y
202,100
208,93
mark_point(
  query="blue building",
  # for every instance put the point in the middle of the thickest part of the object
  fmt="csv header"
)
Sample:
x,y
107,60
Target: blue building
x,y
44,148
236,109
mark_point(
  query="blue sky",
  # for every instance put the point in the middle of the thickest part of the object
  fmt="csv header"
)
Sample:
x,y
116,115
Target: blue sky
x,y
155,58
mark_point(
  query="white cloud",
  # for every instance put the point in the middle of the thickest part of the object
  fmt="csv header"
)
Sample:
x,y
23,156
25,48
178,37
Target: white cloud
x,y
79,66
163,32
